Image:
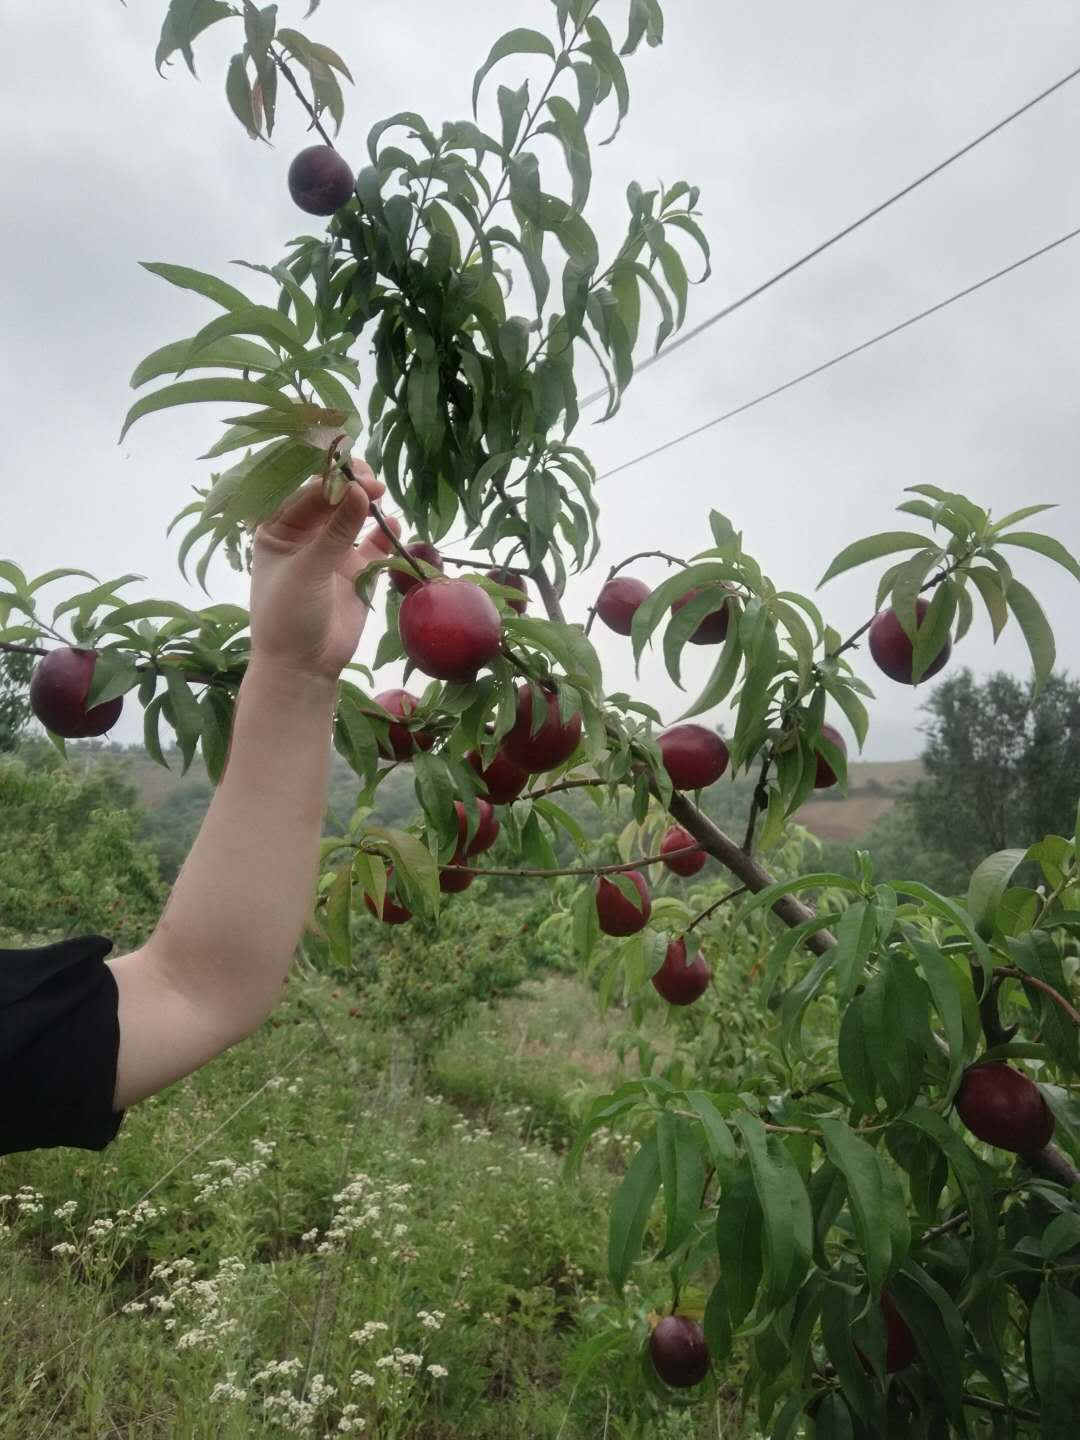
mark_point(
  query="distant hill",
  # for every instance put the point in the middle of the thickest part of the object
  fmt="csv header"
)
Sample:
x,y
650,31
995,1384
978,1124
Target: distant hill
x,y
873,789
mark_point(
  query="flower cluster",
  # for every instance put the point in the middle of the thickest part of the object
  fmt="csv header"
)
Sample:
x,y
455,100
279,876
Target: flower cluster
x,y
228,1174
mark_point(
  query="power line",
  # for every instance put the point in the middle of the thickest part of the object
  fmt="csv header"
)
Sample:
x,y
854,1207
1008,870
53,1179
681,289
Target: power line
x,y
689,335
845,355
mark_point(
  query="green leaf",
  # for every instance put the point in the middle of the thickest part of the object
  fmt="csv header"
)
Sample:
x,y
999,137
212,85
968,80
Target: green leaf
x,y
217,708
654,607
988,884
989,585
209,286
586,926
567,128
739,1243
1043,545
514,42
1036,954
819,880
972,1177
566,644
947,991
785,1206
717,1135
238,94
231,353
216,390
338,917
868,1179
933,632
724,672
151,736
872,547
261,320
856,933
279,470
682,1176
1035,628
716,1324
938,1330
184,713
631,1207
1054,1338
184,21
415,868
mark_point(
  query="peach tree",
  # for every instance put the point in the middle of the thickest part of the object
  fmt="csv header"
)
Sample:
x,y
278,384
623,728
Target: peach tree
x,y
882,1213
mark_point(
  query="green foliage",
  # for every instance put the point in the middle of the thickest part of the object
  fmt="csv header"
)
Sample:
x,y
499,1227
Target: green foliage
x,y
71,863
1002,762
14,701
794,1143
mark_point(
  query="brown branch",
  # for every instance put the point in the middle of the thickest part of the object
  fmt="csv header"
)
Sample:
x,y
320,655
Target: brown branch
x,y
581,869
10,648
1007,972
283,66
641,555
1053,1164
977,1402
745,868
548,594
731,895
561,785
946,1228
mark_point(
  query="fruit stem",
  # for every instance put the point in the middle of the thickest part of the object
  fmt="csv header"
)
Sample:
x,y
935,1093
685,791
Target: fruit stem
x,y
582,869
641,555
731,895
282,65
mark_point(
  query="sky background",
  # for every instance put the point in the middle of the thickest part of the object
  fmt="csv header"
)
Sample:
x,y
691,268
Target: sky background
x,y
792,118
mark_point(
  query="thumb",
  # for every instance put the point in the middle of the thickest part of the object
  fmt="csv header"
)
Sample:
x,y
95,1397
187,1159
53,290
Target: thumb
x,y
346,520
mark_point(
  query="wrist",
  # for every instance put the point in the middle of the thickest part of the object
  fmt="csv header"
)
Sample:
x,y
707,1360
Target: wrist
x,y
277,680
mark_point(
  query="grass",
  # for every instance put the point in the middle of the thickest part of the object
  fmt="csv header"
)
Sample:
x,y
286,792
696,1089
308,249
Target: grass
x,y
302,1238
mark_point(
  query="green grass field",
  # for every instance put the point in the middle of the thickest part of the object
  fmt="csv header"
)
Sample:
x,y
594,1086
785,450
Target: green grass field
x,y
311,1238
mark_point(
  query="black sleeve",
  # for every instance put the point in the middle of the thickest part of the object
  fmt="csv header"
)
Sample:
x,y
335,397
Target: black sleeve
x,y
59,1040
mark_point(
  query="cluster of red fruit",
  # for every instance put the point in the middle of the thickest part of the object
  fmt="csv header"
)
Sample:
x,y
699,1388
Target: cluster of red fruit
x,y
1001,1107
618,603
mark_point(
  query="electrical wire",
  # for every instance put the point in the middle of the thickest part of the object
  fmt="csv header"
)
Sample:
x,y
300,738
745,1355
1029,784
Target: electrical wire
x,y
845,355
697,330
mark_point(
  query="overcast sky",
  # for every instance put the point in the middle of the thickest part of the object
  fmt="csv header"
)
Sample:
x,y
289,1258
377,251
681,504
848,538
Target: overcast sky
x,y
793,119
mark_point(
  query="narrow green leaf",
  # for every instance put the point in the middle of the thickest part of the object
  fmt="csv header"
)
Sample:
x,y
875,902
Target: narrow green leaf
x,y
682,1177
1043,545
184,713
631,1207
217,390
1035,628
739,1243
972,1177
514,42
209,286
872,547
785,1207
1054,1338
338,917
866,1177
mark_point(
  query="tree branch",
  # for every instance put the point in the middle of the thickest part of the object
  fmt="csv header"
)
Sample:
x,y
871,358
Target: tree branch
x,y
10,648
731,895
548,595
1007,972
1054,1164
759,801
580,869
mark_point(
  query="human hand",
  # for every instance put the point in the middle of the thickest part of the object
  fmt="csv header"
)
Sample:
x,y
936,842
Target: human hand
x,y
306,616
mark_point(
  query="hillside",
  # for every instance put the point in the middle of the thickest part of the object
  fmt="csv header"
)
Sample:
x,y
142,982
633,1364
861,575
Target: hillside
x,y
873,789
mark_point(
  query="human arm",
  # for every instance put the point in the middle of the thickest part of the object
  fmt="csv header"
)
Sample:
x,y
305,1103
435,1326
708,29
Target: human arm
x,y
215,964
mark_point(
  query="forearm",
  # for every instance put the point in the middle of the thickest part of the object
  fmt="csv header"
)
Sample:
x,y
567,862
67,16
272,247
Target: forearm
x,y
238,907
